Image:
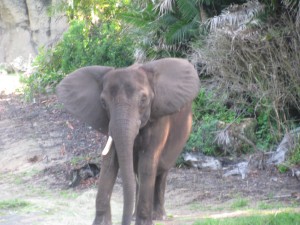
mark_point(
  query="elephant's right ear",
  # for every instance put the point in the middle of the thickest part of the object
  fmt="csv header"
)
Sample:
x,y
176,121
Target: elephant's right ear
x,y
80,93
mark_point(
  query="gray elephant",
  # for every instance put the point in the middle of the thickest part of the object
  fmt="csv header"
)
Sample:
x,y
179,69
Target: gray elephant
x,y
146,112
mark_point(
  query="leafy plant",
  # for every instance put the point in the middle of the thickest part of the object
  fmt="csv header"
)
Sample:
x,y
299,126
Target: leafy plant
x,y
294,157
208,110
83,44
282,168
266,132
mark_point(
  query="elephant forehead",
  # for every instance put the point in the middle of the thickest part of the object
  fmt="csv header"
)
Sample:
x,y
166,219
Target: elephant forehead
x,y
125,82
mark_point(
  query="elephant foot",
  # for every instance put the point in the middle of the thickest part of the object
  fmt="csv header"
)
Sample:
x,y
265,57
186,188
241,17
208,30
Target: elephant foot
x,y
159,214
140,221
102,220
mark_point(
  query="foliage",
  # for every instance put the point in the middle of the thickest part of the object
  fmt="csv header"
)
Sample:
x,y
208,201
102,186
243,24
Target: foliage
x,y
258,73
13,204
167,27
202,137
281,218
93,11
294,157
267,130
83,44
282,168
208,110
240,203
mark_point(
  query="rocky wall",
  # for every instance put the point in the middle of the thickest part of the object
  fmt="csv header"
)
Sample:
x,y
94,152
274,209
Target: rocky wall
x,y
25,25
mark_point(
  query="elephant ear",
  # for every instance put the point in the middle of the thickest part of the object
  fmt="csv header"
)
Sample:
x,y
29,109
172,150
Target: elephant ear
x,y
80,93
175,82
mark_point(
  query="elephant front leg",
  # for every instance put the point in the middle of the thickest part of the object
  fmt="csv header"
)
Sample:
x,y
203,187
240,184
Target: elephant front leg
x,y
145,195
108,175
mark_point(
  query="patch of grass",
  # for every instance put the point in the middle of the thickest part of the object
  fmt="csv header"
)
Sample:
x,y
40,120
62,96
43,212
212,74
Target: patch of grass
x,y
20,178
200,207
264,205
240,203
196,207
69,194
14,204
77,160
282,168
295,155
283,218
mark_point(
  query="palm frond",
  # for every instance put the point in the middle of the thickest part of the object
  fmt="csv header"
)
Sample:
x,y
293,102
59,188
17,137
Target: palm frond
x,y
141,18
236,16
181,31
164,6
187,9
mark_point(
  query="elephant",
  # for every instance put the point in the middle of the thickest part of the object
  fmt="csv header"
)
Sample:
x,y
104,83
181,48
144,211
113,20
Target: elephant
x,y
146,112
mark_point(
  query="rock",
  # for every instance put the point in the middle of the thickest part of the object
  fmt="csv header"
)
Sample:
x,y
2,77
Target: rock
x,y
288,142
83,173
25,25
200,161
297,174
238,169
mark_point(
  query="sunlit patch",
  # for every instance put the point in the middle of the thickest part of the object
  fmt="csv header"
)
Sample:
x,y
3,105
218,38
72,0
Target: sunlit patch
x,y
9,84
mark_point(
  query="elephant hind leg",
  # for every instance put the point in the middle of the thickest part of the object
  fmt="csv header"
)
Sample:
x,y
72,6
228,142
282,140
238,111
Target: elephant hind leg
x,y
159,212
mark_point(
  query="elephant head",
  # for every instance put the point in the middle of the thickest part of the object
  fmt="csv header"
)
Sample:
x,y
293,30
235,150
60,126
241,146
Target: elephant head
x,y
120,102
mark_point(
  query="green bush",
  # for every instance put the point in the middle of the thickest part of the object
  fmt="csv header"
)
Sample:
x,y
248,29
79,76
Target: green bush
x,y
258,73
294,157
267,129
208,110
83,44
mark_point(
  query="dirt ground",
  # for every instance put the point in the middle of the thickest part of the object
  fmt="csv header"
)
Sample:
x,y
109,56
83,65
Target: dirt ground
x,y
41,144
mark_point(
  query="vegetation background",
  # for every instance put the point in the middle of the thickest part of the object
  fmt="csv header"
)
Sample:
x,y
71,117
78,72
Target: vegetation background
x,y
247,54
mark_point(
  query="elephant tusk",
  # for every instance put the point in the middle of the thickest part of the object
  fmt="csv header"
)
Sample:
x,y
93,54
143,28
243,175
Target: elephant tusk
x,y
107,146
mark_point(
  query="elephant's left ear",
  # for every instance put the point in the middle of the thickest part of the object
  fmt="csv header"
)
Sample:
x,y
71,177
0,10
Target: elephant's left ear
x,y
175,82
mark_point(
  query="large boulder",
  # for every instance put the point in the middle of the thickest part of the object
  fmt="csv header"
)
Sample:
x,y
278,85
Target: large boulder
x,y
25,25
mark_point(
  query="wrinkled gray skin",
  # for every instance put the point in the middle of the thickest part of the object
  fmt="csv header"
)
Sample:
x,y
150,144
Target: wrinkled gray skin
x,y
147,111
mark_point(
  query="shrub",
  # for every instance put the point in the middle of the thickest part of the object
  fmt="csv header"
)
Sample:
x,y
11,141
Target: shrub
x,y
83,44
208,110
258,73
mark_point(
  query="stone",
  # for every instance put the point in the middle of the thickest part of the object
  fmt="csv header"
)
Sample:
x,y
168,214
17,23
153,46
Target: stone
x,y
288,142
238,169
200,161
25,26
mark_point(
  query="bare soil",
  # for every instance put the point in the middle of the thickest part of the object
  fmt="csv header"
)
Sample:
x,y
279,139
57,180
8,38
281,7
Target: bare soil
x,y
41,144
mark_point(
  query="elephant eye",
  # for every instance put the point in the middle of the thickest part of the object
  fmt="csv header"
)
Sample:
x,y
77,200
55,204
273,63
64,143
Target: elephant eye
x,y
143,100
103,103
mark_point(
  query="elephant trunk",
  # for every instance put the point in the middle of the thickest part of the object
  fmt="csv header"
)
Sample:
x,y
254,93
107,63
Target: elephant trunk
x,y
124,129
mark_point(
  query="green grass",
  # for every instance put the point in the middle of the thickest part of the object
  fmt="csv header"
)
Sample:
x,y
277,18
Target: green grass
x,y
240,203
68,194
14,204
284,218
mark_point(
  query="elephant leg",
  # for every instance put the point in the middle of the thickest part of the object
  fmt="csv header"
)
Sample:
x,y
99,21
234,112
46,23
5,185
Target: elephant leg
x,y
159,212
135,166
108,175
136,198
146,183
